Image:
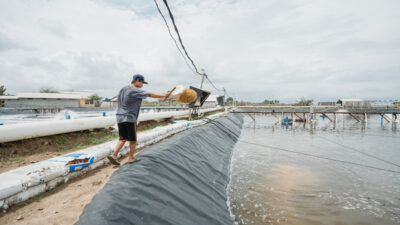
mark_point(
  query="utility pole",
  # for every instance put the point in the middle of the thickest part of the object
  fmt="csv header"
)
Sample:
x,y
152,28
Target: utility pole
x,y
223,90
194,112
202,78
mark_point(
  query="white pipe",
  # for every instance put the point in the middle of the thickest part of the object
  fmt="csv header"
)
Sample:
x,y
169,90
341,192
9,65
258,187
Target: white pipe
x,y
16,132
25,182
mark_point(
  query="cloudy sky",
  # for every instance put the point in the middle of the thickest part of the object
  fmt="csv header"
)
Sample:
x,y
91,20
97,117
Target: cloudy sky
x,y
256,49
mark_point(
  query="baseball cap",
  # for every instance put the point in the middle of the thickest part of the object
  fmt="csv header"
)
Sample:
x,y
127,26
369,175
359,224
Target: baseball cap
x,y
139,77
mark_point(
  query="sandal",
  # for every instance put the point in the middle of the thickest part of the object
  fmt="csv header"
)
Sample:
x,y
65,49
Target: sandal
x,y
135,160
113,160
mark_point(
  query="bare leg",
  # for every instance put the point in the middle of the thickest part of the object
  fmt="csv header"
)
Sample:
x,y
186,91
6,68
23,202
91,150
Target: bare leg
x,y
120,144
132,147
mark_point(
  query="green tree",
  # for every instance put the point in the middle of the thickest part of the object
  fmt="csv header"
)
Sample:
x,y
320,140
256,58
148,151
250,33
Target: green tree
x,y
94,99
269,102
48,90
2,90
304,102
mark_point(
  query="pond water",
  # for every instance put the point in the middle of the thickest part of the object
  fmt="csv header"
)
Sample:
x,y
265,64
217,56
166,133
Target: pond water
x,y
273,182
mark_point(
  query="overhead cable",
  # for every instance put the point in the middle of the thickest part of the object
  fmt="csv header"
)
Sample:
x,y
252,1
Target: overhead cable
x,y
320,157
226,130
181,43
173,38
361,152
179,37
213,84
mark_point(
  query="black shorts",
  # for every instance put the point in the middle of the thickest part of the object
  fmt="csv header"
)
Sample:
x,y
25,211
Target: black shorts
x,y
127,131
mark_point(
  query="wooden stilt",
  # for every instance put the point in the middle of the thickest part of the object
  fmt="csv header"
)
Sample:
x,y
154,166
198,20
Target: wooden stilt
x,y
327,117
301,118
386,118
253,118
334,120
356,118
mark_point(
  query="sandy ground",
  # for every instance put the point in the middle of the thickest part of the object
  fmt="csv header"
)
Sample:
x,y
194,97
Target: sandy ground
x,y
64,204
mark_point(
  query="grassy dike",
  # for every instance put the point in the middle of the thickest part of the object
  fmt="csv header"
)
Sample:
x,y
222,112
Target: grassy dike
x,y
23,152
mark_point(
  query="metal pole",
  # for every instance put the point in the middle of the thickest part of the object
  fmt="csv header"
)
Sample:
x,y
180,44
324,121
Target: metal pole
x,y
334,121
202,78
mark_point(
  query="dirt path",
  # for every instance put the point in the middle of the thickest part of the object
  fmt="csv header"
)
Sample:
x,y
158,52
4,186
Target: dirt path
x,y
64,204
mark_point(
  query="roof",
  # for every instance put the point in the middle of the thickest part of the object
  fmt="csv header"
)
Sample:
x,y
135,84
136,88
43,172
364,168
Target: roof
x,y
350,100
60,95
212,98
8,97
327,103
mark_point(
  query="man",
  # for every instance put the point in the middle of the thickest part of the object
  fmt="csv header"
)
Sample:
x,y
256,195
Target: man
x,y
129,100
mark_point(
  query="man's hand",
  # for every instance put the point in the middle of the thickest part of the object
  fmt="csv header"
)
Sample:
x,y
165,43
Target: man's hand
x,y
168,94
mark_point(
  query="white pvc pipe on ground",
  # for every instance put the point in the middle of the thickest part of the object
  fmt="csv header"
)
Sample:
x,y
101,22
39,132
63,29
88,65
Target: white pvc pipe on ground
x,y
16,132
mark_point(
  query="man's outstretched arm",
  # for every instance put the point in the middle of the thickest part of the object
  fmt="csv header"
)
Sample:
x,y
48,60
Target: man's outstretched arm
x,y
153,95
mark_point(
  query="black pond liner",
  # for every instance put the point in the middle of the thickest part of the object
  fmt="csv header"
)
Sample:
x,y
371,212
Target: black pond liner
x,y
179,181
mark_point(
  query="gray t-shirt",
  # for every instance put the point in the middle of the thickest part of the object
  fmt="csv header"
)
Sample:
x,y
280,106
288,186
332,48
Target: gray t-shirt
x,y
129,101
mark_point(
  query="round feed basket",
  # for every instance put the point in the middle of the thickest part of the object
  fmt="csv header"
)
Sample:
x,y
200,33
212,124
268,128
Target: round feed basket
x,y
187,96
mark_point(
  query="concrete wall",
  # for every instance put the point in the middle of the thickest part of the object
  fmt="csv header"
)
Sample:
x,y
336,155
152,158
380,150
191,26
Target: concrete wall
x,y
83,104
108,104
210,104
40,103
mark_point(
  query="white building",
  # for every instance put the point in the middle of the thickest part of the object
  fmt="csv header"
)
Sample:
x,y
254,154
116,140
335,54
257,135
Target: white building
x,y
109,103
211,101
353,102
48,100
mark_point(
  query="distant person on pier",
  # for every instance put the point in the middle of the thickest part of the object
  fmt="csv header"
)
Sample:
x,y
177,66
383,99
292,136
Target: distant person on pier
x,y
129,101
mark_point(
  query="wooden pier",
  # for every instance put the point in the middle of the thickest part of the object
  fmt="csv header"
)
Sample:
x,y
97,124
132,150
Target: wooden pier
x,y
307,114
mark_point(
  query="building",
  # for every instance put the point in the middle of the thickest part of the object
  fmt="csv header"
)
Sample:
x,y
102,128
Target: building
x,y
212,101
48,100
109,103
354,103
326,103
382,103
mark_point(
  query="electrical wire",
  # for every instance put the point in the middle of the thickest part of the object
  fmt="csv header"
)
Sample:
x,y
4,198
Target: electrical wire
x,y
173,38
213,84
195,71
356,150
366,134
226,130
321,157
179,37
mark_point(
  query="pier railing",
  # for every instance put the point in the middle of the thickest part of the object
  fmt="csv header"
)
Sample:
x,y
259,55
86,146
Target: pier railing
x,y
309,113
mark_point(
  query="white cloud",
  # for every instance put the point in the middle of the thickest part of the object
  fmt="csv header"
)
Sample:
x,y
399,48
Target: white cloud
x,y
255,49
